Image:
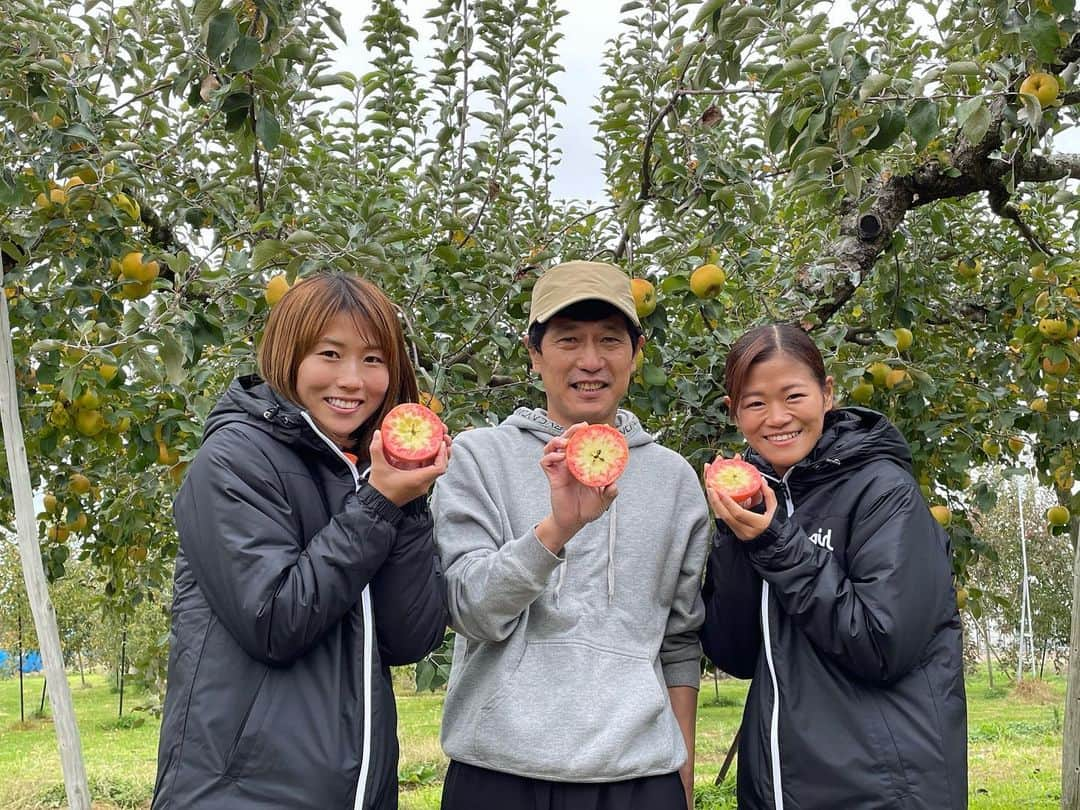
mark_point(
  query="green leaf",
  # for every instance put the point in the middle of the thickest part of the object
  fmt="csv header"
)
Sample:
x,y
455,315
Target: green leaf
x,y
890,127
265,252
706,12
965,110
922,122
221,34
301,237
977,124
172,354
333,22
267,128
1042,32
874,84
653,375
245,55
963,68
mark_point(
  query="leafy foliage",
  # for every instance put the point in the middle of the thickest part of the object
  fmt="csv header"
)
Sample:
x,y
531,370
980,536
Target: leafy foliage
x,y
860,175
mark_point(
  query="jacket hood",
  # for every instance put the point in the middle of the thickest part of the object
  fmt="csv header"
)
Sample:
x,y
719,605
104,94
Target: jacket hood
x,y
851,438
252,401
537,422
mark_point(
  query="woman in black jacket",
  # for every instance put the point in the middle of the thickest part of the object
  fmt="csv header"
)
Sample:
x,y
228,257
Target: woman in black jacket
x,y
834,594
306,569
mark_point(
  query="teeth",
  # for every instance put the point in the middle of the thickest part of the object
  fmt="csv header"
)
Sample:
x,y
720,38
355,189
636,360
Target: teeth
x,y
343,403
589,386
783,437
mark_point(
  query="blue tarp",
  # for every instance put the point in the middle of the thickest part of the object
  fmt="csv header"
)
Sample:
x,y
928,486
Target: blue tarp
x,y
10,661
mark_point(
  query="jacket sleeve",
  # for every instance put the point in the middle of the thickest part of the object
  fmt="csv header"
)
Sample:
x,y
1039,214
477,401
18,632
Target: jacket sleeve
x,y
731,635
240,537
491,577
876,619
680,651
408,592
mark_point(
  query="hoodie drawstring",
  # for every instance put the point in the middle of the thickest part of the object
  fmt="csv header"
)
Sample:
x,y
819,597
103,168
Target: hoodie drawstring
x,y
612,514
613,510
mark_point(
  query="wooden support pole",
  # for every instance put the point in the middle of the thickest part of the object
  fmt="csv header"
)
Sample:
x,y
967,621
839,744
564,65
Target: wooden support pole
x,y
37,589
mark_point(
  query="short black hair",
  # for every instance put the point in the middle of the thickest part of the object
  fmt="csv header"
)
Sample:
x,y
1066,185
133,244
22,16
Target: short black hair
x,y
588,311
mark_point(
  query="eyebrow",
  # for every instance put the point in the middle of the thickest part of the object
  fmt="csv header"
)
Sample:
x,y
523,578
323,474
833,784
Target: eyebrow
x,y
329,341
785,389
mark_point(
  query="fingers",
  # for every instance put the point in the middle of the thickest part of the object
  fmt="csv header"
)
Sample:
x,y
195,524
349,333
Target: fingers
x,y
375,447
744,524
570,431
607,495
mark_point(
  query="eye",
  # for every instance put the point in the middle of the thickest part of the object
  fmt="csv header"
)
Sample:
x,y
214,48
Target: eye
x,y
330,353
754,403
799,395
374,359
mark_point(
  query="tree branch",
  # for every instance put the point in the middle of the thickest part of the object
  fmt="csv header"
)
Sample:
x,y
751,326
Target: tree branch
x,y
887,201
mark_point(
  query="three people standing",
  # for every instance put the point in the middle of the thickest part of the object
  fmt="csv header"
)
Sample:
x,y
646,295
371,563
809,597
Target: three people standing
x,y
308,566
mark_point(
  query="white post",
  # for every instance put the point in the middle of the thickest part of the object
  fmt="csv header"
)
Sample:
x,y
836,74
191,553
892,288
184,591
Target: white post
x,y
67,732
1024,588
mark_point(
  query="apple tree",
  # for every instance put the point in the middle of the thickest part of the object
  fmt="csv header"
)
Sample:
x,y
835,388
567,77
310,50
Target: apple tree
x,y
890,179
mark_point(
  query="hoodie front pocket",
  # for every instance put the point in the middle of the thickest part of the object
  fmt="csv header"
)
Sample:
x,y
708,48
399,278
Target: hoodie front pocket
x,y
573,711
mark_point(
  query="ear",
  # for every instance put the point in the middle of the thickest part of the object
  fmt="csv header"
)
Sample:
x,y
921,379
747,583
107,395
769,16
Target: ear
x,y
828,392
730,412
640,345
533,353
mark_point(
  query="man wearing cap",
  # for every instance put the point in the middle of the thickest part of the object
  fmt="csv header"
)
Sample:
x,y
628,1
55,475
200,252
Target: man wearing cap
x,y
576,665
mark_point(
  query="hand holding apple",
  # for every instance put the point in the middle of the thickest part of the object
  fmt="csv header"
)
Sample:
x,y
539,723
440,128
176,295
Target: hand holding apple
x,y
736,514
573,503
741,481
403,485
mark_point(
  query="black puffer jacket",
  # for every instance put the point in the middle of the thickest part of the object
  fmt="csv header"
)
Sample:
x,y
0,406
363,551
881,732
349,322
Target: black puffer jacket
x,y
844,614
296,587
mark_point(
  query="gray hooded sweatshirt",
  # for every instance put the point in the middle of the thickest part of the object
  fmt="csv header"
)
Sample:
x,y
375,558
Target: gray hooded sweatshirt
x,y
562,662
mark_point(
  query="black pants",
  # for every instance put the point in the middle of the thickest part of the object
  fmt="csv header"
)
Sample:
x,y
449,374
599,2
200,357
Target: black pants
x,y
470,788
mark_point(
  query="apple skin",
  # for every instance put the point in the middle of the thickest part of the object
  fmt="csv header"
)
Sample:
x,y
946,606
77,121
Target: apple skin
x,y
1043,86
707,281
586,445
738,479
411,436
644,296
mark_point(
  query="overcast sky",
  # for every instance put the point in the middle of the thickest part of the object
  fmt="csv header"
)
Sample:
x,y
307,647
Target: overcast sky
x,y
589,24
586,28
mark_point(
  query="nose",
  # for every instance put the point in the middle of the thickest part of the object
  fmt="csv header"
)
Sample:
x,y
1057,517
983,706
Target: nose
x,y
590,358
349,375
777,413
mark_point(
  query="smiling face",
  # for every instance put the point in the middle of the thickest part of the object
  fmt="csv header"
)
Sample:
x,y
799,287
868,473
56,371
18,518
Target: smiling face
x,y
343,380
781,410
585,367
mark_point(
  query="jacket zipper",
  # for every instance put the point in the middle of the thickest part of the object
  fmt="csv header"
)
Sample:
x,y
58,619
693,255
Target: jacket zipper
x,y
369,633
774,720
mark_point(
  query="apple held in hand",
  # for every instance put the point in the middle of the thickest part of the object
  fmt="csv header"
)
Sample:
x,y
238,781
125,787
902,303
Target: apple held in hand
x,y
597,455
736,478
411,436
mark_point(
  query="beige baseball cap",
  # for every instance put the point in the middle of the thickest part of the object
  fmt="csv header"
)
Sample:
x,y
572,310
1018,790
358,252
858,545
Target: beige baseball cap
x,y
571,282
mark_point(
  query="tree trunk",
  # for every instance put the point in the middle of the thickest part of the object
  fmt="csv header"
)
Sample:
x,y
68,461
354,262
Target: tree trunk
x,y
985,632
22,694
1070,748
37,589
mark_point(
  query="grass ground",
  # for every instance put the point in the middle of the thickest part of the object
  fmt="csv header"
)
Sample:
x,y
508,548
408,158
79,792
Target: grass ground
x,y
1014,746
